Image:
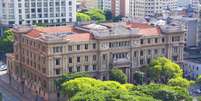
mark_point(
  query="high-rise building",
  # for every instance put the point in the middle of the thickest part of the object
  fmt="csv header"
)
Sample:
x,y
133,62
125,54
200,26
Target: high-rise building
x,y
183,3
137,8
105,4
117,7
196,5
141,8
51,12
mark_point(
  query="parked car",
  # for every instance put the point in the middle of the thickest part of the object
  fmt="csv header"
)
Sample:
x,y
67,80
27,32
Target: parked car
x,y
197,91
3,67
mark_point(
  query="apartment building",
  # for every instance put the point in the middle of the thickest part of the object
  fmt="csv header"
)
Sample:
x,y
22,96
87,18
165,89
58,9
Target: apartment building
x,y
142,8
117,7
51,12
105,4
42,55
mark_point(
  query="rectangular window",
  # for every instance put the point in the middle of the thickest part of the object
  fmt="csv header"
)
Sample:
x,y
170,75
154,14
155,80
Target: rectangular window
x,y
86,68
94,57
94,46
86,46
78,47
141,41
70,60
70,69
156,40
57,71
94,67
163,40
70,48
149,52
141,61
148,41
141,53
78,59
57,61
78,68
86,58
104,56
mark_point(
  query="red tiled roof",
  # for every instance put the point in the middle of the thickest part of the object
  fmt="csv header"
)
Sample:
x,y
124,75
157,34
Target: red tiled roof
x,y
139,25
34,33
80,37
77,36
57,29
145,29
150,31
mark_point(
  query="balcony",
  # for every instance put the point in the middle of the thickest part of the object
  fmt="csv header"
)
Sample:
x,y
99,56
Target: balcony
x,y
123,62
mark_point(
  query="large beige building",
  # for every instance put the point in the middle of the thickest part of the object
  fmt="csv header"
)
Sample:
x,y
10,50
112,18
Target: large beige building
x,y
42,55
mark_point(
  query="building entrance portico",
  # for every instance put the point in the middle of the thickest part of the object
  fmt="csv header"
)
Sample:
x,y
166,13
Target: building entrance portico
x,y
124,65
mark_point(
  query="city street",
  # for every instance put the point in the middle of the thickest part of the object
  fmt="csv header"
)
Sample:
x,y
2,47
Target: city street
x,y
9,94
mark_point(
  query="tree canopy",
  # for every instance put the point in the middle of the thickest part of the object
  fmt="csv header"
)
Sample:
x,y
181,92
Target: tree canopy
x,y
198,79
118,75
96,14
89,89
180,81
162,69
92,14
83,17
6,42
108,15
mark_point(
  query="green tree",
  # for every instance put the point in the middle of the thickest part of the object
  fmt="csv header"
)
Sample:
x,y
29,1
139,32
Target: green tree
x,y
118,75
164,92
6,42
83,17
89,89
181,82
162,69
66,77
108,15
198,80
96,14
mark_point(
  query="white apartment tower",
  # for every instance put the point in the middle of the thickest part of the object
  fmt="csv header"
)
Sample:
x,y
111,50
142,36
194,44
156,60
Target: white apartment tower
x,y
141,8
51,12
105,4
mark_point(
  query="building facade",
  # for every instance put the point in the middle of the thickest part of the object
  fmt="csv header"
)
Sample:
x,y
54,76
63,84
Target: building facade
x,y
192,68
50,12
42,55
117,7
105,4
142,8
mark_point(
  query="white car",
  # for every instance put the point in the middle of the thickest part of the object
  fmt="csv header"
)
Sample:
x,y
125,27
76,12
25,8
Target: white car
x,y
3,67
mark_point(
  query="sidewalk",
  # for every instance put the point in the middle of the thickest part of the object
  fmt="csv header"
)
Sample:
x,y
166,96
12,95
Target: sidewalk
x,y
16,87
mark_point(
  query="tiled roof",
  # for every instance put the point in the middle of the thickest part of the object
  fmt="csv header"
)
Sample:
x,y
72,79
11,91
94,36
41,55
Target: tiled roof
x,y
76,36
150,31
145,29
34,33
80,37
140,25
57,29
